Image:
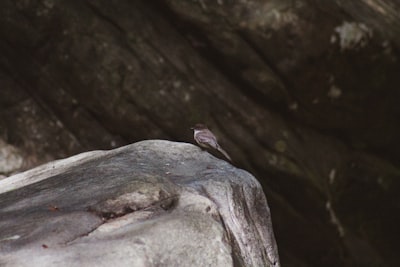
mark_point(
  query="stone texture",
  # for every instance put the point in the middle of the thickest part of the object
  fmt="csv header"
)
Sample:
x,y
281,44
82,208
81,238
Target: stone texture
x,y
152,203
303,94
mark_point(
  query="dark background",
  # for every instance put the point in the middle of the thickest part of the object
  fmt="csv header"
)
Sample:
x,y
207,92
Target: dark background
x,y
303,94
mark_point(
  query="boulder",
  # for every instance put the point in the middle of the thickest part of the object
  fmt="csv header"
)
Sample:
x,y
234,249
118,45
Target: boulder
x,y
152,203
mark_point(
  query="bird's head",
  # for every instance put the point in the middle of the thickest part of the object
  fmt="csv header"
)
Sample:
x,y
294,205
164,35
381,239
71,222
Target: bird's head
x,y
199,126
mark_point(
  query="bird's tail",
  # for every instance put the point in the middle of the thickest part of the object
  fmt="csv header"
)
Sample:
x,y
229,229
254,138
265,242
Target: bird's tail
x,y
223,152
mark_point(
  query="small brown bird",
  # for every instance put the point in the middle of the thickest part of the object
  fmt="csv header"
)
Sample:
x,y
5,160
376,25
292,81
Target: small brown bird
x,y
205,138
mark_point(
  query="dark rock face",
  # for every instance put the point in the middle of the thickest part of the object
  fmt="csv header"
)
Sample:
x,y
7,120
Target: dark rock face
x,y
304,94
153,203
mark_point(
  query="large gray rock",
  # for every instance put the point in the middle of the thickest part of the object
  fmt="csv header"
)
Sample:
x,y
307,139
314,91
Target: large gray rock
x,y
153,203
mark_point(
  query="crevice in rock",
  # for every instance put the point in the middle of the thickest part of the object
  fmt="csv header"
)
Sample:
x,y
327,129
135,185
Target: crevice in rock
x,y
109,213
104,17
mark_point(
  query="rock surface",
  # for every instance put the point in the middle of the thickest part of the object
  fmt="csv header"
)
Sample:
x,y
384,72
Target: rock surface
x,y
152,203
303,94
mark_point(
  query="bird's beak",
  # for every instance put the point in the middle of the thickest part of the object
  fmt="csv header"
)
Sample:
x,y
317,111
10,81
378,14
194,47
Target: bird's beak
x,y
191,128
